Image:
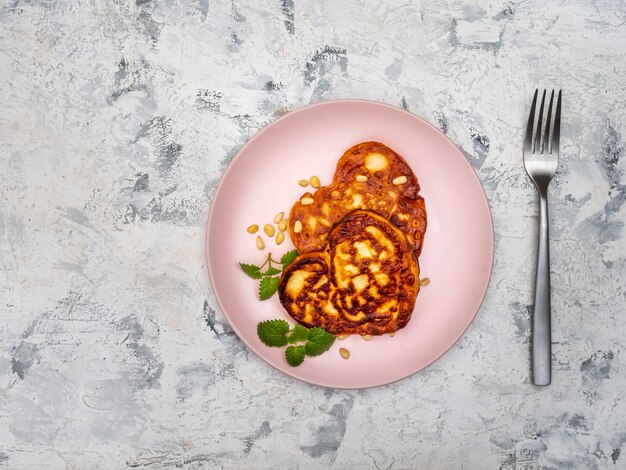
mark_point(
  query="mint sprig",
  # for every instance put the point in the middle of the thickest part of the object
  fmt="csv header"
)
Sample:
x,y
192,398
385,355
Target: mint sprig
x,y
295,355
269,278
251,270
267,287
272,271
276,333
298,334
288,258
273,332
320,341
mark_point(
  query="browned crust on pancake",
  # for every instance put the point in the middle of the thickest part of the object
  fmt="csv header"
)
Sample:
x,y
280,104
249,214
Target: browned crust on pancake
x,y
401,204
320,289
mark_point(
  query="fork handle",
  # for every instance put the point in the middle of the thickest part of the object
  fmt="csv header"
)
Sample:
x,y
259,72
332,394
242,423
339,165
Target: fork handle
x,y
541,315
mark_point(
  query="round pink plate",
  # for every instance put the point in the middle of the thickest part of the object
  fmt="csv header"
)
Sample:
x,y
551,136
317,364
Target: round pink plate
x,y
262,180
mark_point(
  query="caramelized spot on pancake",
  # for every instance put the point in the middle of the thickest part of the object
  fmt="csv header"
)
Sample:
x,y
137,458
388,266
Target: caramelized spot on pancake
x,y
365,280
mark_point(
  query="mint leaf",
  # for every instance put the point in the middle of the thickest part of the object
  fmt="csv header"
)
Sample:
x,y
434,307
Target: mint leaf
x,y
251,270
299,333
288,258
320,341
273,332
295,355
271,271
268,287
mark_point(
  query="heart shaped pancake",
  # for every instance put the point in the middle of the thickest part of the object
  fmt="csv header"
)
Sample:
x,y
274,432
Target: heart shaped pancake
x,y
368,176
364,281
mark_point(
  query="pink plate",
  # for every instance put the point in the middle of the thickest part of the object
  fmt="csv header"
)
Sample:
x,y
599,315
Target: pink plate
x,y
262,180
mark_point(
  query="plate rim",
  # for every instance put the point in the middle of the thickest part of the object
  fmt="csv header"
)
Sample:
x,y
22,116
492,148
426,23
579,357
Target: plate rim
x,y
289,114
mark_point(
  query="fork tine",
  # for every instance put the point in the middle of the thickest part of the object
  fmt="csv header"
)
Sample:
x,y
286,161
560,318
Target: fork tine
x,y
528,140
557,126
537,141
545,143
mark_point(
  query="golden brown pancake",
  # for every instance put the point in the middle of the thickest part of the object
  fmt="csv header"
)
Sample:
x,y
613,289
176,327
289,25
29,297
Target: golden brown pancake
x,y
364,281
379,166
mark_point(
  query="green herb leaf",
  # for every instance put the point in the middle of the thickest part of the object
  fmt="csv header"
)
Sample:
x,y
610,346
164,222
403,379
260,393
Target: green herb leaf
x,y
295,355
273,332
288,258
320,341
268,287
251,270
271,271
298,334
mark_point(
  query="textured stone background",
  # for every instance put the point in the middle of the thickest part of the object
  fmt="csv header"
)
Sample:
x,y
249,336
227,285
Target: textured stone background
x,y
117,119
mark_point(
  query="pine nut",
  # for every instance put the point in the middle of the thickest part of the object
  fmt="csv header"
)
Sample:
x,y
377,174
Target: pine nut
x,y
425,281
361,178
344,353
391,335
280,237
340,337
367,337
307,201
282,225
259,243
253,228
278,217
315,182
269,230
303,183
297,227
399,180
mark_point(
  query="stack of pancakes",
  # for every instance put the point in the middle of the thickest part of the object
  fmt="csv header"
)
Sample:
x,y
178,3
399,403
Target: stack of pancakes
x,y
359,240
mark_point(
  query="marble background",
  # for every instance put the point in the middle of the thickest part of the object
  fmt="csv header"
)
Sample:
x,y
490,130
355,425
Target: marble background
x,y
118,118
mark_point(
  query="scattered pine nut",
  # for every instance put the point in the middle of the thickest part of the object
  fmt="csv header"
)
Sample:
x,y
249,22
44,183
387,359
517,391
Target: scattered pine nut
x,y
282,225
278,217
399,180
367,337
391,335
425,281
340,337
280,237
297,227
307,201
303,183
315,182
259,243
269,230
253,228
344,353
361,178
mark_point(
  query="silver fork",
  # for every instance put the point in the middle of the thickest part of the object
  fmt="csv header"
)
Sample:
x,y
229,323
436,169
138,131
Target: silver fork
x,y
541,159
